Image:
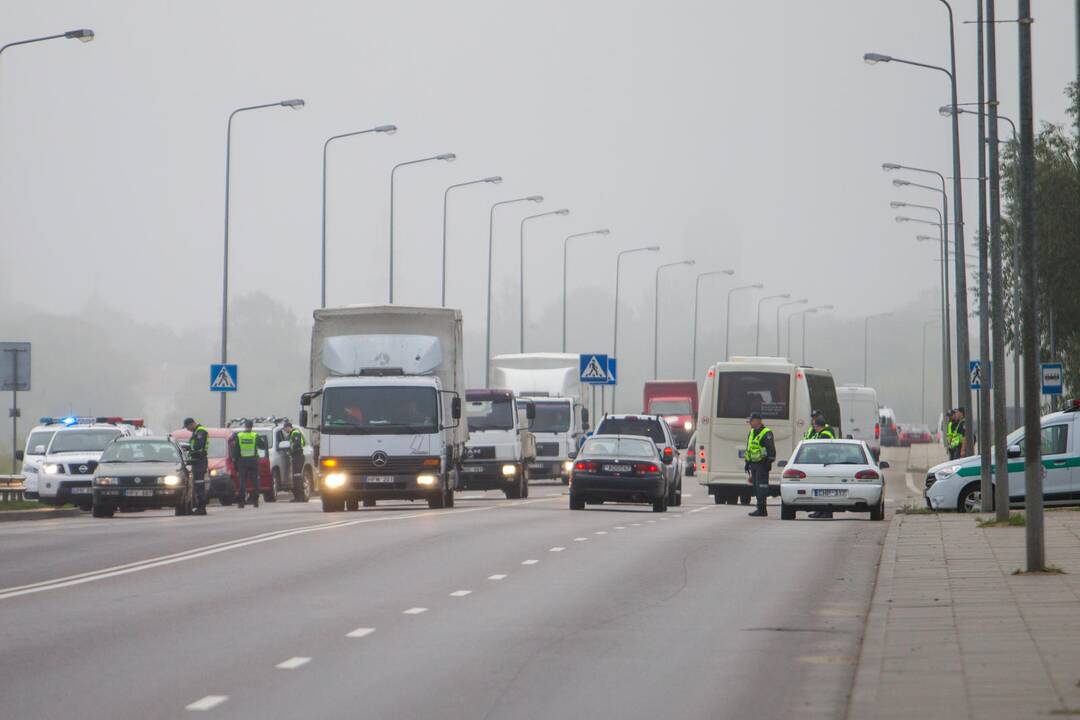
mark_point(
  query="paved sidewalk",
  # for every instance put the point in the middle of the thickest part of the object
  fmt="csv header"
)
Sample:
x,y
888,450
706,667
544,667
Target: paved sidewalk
x,y
952,633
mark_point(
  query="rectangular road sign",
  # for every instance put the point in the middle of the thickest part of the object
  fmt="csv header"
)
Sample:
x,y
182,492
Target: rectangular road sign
x,y
223,377
1053,378
975,373
612,371
15,366
593,368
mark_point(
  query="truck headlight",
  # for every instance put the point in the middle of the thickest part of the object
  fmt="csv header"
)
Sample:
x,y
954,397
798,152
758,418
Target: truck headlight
x,y
425,479
688,426
171,480
568,466
105,481
50,468
509,470
334,480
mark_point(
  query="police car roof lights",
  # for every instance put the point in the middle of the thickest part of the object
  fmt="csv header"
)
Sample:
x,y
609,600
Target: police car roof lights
x,y
75,420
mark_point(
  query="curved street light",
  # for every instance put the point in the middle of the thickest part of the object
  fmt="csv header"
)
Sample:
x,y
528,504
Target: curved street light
x,y
494,180
615,338
727,326
566,241
757,326
521,271
445,157
84,35
780,307
693,331
656,312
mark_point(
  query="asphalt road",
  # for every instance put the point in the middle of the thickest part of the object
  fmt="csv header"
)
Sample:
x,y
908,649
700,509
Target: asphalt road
x,y
495,609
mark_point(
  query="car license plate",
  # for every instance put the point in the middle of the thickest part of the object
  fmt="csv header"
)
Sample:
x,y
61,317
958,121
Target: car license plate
x,y
616,468
379,478
471,469
830,492
536,466
140,493
80,491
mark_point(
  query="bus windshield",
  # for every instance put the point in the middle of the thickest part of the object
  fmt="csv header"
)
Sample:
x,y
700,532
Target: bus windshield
x,y
740,393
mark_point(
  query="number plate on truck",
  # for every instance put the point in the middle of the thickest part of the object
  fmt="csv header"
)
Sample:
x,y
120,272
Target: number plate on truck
x,y
471,469
378,478
80,491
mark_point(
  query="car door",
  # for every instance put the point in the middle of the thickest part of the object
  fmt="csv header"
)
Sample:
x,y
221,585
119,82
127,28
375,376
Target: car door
x,y
1058,485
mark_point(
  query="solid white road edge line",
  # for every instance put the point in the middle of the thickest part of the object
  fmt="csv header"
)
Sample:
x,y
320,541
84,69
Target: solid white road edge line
x,y
207,703
293,663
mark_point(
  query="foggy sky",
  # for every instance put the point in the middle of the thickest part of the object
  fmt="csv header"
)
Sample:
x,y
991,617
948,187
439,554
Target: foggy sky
x,y
741,134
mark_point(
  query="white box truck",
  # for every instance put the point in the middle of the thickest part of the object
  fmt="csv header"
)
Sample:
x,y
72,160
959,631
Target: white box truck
x,y
500,447
385,406
551,381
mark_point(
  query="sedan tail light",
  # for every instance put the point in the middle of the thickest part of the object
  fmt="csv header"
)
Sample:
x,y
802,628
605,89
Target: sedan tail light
x,y
877,431
794,474
585,466
646,468
867,475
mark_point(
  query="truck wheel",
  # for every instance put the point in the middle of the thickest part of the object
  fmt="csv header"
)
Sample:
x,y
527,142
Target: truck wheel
x,y
101,511
448,499
352,505
436,501
718,498
369,502
513,492
333,504
576,503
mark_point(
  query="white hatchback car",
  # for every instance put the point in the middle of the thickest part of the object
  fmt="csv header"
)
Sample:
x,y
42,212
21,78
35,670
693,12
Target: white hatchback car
x,y
835,476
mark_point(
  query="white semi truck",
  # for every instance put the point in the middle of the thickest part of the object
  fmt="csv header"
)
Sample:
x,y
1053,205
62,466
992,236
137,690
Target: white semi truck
x,y
552,382
385,404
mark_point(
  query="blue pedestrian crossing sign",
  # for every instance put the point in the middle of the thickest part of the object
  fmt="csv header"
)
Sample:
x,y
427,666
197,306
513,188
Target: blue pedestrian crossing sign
x,y
593,369
975,373
612,371
223,377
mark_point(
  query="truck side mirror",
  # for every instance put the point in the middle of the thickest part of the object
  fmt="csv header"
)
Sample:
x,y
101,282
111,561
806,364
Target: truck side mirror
x,y
572,455
530,411
303,414
19,455
455,408
585,418
584,427
305,400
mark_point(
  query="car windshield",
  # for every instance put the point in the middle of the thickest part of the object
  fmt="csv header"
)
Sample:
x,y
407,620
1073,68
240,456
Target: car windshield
x,y
645,427
133,451
496,414
82,440
740,393
551,417
828,453
670,407
380,411
619,447
38,441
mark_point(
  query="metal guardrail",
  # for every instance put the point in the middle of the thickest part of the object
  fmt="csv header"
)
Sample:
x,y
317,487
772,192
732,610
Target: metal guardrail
x,y
11,488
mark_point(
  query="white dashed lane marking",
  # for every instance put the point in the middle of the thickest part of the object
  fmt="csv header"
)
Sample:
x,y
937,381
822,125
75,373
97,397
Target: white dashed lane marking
x,y
580,539
360,632
207,703
601,532
620,527
460,593
293,663
556,549
496,577
414,611
529,562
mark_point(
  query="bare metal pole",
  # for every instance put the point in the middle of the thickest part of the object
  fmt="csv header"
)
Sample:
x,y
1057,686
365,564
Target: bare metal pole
x,y
986,485
693,331
656,315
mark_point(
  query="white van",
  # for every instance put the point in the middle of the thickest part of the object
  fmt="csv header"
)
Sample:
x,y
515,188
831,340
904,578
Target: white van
x,y
859,413
784,394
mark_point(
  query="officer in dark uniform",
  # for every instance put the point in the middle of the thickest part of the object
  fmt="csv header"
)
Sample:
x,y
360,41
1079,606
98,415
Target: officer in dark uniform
x,y
759,456
296,442
199,443
247,445
821,431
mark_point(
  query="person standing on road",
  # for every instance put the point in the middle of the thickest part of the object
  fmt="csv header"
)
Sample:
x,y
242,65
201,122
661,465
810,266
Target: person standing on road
x,y
759,456
955,433
246,446
814,415
199,443
821,431
296,442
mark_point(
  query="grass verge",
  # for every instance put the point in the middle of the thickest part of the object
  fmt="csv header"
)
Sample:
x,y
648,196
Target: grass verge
x,y
1015,520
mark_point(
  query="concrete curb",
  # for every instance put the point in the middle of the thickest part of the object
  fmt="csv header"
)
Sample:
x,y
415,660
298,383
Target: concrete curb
x,y
44,514
864,691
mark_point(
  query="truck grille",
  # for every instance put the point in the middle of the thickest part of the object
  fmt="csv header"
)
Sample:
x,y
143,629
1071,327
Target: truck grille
x,y
86,468
547,449
410,465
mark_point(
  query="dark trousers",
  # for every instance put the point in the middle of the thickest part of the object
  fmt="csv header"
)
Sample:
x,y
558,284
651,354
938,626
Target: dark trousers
x,y
954,453
248,469
198,475
297,464
759,476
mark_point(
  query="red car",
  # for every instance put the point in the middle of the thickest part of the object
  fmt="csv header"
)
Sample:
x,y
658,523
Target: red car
x,y
221,470
677,402
914,434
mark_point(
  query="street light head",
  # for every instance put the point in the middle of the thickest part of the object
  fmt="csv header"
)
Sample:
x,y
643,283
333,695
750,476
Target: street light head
x,y
689,262
728,272
447,157
653,248
889,166
924,238
386,129
82,35
946,110
902,219
897,204
875,58
494,179
786,296
535,198
295,103
561,211
901,183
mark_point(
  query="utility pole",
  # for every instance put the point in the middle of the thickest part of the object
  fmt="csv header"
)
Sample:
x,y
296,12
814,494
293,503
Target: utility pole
x,y
1033,486
986,484
997,311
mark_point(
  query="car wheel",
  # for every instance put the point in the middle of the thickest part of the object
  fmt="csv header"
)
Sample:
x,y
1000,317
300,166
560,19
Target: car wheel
x,y
970,499
660,504
671,496
333,504
368,502
352,505
101,511
183,506
270,495
787,512
576,503
732,499
878,512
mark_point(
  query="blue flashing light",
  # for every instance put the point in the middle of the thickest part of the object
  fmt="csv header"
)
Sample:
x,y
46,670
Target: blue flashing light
x,y
69,421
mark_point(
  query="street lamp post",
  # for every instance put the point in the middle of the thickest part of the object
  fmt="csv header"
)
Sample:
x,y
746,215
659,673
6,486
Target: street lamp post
x,y
656,314
295,104
866,345
491,250
942,277
727,312
82,35
798,314
693,335
615,324
445,157
565,266
521,271
757,326
802,359
780,307
385,129
494,180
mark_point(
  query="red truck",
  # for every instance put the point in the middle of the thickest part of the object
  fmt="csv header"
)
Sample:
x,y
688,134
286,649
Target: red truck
x,y
677,402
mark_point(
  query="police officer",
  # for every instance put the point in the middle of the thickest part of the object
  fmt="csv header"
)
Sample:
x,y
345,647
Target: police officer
x,y
759,456
296,442
955,432
814,415
821,431
200,440
246,446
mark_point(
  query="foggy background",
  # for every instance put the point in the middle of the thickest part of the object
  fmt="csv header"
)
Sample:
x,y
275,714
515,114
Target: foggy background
x,y
743,135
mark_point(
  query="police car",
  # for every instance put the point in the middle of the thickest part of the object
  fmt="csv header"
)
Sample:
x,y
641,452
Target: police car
x,y
955,485
65,471
37,442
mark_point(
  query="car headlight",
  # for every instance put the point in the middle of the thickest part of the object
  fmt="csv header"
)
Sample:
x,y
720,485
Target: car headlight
x,y
215,472
425,479
509,470
568,465
946,473
688,426
334,480
50,468
105,481
171,480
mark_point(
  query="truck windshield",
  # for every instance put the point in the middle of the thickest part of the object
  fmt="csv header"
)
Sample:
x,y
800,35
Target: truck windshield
x,y
670,407
551,417
82,440
490,414
380,411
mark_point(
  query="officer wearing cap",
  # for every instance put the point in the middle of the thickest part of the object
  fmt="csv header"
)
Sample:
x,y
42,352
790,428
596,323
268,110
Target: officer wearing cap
x,y
814,415
200,438
758,459
955,433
